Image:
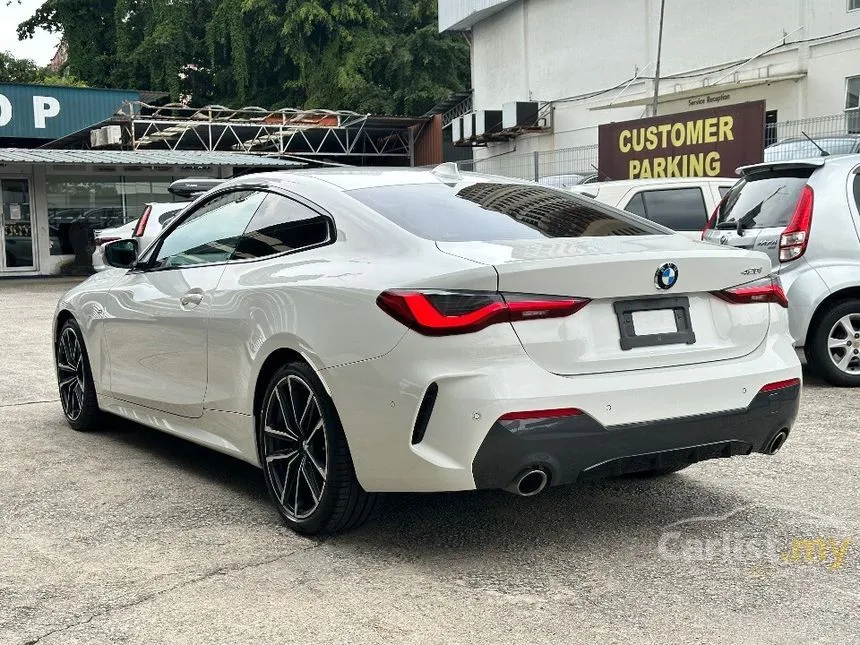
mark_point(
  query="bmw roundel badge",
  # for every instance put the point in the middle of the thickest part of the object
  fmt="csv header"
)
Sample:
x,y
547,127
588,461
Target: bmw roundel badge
x,y
666,276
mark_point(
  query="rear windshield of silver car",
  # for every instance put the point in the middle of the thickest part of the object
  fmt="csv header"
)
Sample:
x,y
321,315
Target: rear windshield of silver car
x,y
487,211
763,199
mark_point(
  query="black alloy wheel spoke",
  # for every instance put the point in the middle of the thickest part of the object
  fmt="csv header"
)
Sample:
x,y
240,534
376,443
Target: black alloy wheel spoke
x,y
294,447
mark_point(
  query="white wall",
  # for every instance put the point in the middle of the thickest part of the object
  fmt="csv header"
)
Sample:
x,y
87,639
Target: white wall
x,y
548,50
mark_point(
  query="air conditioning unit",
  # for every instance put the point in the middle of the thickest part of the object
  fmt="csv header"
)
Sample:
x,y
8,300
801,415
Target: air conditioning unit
x,y
487,122
520,114
109,135
457,130
469,125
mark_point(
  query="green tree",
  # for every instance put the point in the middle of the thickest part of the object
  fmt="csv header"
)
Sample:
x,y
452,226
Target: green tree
x,y
17,70
382,56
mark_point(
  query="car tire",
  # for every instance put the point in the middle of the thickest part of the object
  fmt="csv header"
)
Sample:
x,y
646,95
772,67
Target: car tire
x,y
839,325
75,379
306,462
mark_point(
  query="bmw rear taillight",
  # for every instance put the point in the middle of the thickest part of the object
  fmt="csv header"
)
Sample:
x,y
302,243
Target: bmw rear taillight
x,y
435,312
793,241
141,223
767,290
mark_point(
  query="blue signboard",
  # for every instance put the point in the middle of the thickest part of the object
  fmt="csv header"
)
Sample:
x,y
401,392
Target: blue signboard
x,y
49,112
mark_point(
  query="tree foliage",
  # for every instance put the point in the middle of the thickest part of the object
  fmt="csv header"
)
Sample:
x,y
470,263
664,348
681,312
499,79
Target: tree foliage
x,y
23,70
380,56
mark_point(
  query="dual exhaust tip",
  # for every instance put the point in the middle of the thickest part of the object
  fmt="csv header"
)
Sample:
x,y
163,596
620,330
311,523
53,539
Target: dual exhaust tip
x,y
530,482
777,442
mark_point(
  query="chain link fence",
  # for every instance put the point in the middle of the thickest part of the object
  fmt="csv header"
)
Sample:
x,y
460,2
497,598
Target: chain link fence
x,y
559,167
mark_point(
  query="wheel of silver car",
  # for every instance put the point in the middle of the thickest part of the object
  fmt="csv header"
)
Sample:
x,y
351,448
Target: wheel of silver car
x,y
304,453
74,379
70,368
295,447
833,345
843,343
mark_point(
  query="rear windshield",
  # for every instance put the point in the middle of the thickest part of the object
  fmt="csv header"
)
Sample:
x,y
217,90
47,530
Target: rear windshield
x,y
763,200
485,212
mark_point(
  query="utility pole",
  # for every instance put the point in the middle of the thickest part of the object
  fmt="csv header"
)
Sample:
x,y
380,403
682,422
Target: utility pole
x,y
659,53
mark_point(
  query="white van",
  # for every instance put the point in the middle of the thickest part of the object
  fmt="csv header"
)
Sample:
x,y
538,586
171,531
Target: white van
x,y
682,204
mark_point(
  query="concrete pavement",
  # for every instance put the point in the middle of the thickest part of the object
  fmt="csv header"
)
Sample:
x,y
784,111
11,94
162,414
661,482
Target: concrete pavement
x,y
129,535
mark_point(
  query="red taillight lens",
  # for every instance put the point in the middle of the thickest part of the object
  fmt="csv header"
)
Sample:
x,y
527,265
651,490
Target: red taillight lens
x,y
442,313
104,240
780,385
712,220
141,223
768,289
555,413
793,241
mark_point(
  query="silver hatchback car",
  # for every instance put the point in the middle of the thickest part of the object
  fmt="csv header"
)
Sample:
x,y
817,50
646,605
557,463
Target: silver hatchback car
x,y
806,216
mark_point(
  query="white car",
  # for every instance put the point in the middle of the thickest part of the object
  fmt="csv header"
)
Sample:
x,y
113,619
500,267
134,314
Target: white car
x,y
682,204
154,218
357,331
106,235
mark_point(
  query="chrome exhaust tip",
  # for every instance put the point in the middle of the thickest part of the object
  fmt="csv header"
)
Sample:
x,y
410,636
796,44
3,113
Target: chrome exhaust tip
x,y
529,483
777,442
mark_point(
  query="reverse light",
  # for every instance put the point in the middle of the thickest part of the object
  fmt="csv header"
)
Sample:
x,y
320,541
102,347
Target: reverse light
x,y
767,289
141,223
442,313
794,239
556,413
780,385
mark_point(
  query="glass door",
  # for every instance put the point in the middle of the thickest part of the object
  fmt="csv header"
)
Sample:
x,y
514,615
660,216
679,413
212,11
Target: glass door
x,y
17,248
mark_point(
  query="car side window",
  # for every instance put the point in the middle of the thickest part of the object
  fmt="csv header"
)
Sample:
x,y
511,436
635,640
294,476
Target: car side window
x,y
681,209
857,190
280,225
724,190
210,233
636,206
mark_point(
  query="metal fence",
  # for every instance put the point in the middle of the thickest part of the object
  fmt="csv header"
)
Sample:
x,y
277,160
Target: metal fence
x,y
554,166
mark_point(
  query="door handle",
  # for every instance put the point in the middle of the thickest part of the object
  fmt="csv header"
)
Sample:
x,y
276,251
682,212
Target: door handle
x,y
191,299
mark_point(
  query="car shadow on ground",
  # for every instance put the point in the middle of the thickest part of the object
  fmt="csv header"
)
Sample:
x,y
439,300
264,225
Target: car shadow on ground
x,y
471,521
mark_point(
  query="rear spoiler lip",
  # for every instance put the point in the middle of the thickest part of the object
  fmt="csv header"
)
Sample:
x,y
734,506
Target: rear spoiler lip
x,y
774,165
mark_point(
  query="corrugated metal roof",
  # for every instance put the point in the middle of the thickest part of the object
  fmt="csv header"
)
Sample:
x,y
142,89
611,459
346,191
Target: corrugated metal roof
x,y
139,158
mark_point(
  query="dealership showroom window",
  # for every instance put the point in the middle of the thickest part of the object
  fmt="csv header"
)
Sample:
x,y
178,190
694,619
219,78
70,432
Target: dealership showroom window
x,y
97,203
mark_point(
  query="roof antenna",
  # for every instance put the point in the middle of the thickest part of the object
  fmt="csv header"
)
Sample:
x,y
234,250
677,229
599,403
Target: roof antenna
x,y
448,173
824,152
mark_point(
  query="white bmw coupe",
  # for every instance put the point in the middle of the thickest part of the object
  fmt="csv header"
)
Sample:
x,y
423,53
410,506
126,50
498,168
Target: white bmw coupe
x,y
356,331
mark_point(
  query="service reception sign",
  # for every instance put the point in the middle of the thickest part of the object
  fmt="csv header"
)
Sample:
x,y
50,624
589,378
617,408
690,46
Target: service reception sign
x,y
701,143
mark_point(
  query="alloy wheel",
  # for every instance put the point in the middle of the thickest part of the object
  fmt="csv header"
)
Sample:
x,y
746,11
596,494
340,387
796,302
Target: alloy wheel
x,y
70,373
843,343
295,448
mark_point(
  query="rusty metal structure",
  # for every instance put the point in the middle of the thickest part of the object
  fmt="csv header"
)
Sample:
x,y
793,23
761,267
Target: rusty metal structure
x,y
312,135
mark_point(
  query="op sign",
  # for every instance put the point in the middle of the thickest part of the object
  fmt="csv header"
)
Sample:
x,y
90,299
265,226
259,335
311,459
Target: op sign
x,y
701,143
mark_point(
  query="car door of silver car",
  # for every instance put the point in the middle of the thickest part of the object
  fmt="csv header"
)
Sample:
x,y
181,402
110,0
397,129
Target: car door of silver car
x,y
157,315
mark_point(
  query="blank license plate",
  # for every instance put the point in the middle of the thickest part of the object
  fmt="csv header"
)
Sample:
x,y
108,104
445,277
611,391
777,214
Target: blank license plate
x,y
655,321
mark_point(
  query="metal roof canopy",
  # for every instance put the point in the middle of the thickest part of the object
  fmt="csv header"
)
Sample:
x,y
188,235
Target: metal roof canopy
x,y
314,134
140,158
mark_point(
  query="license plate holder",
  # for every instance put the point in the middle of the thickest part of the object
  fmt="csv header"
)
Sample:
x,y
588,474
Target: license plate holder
x,y
680,308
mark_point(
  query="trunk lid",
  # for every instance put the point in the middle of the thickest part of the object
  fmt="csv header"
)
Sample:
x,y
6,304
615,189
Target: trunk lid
x,y
757,210
618,275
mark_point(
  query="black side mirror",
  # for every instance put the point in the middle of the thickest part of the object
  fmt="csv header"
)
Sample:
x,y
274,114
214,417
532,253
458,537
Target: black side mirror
x,y
121,254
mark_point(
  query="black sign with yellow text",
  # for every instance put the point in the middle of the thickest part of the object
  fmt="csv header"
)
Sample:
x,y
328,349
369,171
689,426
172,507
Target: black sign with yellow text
x,y
701,143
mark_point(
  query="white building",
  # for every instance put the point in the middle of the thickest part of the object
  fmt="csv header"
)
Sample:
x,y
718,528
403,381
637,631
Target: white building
x,y
589,62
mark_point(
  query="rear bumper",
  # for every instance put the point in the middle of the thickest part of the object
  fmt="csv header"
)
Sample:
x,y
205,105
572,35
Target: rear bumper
x,y
394,448
579,448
